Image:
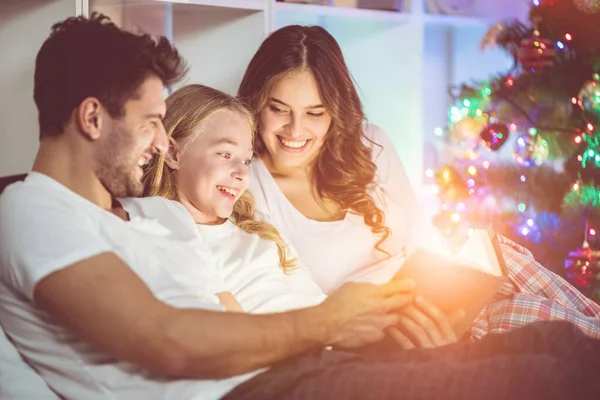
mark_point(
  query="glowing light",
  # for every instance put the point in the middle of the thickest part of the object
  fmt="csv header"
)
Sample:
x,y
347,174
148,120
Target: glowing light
x,y
530,222
461,207
574,100
429,173
471,192
522,207
578,139
466,103
576,186
523,178
446,175
579,158
438,131
592,232
456,217
590,127
560,45
536,2
470,182
472,170
591,153
486,164
568,36
524,231
513,126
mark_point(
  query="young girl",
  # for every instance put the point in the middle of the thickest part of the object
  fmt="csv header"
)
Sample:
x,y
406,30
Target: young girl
x,y
199,192
322,172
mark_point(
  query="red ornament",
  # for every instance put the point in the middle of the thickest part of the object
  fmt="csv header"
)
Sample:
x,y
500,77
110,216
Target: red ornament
x,y
536,53
494,136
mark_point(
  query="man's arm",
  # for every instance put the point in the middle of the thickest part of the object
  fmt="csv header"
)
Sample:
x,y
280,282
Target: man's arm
x,y
104,302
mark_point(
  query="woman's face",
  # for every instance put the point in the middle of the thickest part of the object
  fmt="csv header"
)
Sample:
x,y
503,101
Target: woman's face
x,y
294,122
214,168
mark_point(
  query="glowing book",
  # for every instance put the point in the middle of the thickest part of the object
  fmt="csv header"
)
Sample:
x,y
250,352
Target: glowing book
x,y
467,280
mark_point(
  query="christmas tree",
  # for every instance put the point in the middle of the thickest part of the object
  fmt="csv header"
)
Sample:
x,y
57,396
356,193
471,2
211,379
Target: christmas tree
x,y
526,143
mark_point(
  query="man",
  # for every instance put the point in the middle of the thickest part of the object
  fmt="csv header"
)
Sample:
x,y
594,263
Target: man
x,y
107,307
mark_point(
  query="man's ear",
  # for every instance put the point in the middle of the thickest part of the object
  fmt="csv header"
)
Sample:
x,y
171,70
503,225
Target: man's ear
x,y
89,117
173,154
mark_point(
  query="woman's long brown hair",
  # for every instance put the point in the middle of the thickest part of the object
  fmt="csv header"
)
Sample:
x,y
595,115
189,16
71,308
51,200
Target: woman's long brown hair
x,y
344,168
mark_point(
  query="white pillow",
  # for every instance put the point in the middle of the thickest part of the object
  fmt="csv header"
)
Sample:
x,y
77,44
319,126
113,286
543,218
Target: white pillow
x,y
17,379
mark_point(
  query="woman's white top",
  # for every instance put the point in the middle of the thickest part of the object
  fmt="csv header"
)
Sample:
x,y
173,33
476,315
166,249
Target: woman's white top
x,y
344,250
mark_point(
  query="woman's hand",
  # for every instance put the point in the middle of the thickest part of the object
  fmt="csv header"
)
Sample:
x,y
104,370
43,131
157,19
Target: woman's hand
x,y
426,326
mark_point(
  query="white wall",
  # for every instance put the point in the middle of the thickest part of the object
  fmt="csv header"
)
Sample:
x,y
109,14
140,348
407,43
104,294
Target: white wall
x,y
217,43
18,124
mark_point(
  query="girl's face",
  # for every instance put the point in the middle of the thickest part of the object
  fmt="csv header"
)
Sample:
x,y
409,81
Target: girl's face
x,y
294,122
214,168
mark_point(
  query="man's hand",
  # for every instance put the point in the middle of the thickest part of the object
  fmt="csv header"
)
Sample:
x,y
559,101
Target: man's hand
x,y
358,313
425,325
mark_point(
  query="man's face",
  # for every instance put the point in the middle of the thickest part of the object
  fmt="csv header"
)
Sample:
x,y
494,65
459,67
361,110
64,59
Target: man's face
x,y
129,142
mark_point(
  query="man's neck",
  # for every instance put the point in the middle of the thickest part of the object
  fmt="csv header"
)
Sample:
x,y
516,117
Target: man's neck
x,y
71,166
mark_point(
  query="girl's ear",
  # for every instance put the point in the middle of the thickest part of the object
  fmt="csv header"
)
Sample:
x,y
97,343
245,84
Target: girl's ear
x,y
172,156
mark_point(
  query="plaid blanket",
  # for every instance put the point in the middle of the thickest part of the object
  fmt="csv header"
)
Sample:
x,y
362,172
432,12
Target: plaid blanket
x,y
532,293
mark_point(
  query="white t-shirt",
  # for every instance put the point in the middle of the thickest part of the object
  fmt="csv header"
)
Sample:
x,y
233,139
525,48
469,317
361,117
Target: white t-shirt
x,y
247,263
340,251
45,227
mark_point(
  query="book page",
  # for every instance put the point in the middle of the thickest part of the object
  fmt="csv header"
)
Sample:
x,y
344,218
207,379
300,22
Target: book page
x,y
479,252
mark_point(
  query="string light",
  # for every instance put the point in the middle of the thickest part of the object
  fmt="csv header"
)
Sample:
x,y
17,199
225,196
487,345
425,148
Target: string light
x,y
438,131
530,223
560,45
568,37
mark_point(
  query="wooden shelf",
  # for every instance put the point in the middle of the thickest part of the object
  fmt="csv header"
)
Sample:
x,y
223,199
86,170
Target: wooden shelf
x,y
342,12
257,5
455,21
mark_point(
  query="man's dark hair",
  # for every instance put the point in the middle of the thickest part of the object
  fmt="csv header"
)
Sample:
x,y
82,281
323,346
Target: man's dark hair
x,y
92,57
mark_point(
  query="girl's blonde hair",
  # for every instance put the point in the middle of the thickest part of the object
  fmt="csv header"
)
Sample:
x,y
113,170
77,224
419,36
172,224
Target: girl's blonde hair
x,y
187,109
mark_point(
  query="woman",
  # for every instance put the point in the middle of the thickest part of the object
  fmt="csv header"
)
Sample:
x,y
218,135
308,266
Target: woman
x,y
323,173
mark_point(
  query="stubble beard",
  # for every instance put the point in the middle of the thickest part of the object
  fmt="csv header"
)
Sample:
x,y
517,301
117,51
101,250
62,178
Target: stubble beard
x,y
117,165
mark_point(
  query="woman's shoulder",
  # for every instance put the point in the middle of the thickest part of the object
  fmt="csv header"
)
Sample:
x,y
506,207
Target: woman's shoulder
x,y
377,140
374,132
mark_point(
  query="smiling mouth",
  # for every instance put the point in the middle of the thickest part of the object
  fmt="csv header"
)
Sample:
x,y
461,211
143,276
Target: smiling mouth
x,y
228,192
144,160
293,144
